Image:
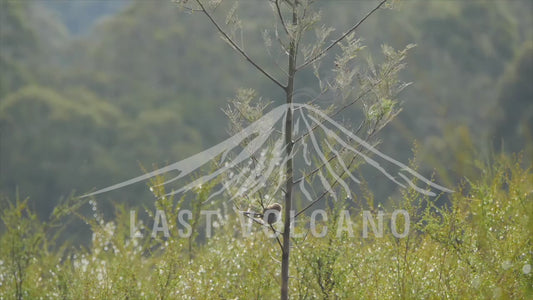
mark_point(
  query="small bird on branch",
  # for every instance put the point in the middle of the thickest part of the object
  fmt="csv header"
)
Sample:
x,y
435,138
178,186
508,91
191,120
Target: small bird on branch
x,y
270,215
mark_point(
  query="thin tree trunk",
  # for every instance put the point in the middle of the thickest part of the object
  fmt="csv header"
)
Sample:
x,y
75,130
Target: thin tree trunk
x,y
289,165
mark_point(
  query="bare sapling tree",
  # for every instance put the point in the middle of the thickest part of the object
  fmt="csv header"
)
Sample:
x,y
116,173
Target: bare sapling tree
x,y
328,152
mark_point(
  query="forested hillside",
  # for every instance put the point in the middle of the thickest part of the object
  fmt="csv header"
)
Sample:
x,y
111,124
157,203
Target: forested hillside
x,y
145,87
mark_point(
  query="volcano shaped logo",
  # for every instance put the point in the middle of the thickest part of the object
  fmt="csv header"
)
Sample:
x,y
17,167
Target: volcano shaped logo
x,y
254,158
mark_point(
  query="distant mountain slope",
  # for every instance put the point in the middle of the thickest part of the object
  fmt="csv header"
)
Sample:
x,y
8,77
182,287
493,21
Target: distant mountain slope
x,y
80,16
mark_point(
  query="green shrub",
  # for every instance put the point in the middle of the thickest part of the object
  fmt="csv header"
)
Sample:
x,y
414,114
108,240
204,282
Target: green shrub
x,y
478,244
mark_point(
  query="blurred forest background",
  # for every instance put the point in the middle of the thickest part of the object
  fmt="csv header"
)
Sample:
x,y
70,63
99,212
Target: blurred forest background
x,y
92,92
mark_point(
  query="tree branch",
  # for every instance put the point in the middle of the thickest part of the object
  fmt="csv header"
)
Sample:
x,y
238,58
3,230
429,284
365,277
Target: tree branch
x,y
277,237
281,17
341,109
321,53
239,49
285,255
305,176
326,191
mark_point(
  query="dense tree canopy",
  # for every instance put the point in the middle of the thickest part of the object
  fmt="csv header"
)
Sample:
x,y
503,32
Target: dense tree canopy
x,y
144,84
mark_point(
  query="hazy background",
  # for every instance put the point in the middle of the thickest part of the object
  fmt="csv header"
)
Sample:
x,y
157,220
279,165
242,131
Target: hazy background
x,y
92,91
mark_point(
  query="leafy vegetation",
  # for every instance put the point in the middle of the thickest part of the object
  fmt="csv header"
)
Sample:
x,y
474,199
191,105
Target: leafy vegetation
x,y
82,107
480,244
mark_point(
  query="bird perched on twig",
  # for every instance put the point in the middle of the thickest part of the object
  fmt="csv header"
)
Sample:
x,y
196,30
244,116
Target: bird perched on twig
x,y
270,215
